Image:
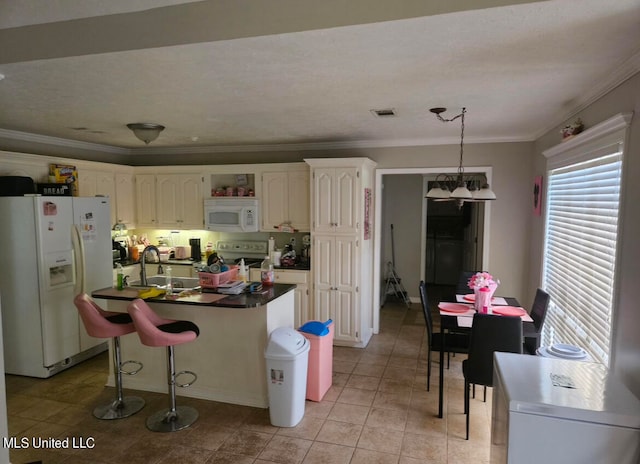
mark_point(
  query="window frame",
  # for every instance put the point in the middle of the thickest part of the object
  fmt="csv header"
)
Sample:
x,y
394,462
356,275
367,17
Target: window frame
x,y
608,137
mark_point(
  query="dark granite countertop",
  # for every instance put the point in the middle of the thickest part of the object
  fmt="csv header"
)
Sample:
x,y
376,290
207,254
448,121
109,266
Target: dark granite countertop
x,y
207,298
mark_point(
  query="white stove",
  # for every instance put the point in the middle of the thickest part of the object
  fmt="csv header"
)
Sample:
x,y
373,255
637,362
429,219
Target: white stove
x,y
252,251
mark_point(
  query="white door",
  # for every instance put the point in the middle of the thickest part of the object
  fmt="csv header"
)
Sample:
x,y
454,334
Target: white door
x,y
92,215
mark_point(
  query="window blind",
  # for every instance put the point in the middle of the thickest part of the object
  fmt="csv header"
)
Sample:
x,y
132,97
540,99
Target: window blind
x,y
579,265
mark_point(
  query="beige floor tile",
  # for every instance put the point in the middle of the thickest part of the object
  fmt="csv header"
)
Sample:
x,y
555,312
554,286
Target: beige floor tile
x,y
352,413
245,442
320,409
344,367
382,440
307,429
397,399
326,453
387,419
409,363
432,451
339,433
285,450
372,358
371,370
363,382
229,458
365,456
356,396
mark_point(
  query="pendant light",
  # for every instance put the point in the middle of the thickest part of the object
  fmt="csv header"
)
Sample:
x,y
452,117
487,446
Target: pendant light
x,y
456,188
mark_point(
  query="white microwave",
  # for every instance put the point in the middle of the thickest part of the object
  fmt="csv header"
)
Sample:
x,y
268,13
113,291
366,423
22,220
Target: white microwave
x,y
232,214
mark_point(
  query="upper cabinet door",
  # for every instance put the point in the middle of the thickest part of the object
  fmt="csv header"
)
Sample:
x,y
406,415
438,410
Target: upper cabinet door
x,y
285,199
169,200
146,200
125,200
274,199
323,195
192,201
335,200
346,200
299,205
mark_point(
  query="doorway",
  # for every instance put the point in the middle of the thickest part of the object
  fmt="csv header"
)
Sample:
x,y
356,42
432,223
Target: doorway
x,y
480,214
454,239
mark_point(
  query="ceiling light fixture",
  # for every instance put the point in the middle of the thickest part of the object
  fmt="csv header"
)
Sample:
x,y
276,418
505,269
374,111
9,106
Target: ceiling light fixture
x,y
450,188
146,131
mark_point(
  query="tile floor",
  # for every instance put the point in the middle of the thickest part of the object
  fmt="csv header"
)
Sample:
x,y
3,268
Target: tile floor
x,y
378,411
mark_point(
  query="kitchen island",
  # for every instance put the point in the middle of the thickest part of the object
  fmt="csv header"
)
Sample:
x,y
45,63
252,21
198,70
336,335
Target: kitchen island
x,y
228,356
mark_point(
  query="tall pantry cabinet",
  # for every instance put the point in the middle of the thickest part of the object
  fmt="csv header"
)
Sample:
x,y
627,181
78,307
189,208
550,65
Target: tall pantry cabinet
x,y
342,246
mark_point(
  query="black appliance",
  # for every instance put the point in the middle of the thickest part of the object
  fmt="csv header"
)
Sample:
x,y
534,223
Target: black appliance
x,y
196,252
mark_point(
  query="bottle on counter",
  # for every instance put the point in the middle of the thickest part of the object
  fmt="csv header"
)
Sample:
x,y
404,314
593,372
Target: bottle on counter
x,y
208,251
266,271
272,245
242,271
168,281
120,277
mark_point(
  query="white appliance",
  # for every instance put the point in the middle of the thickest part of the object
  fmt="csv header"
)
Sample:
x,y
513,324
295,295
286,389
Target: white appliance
x,y
231,214
556,410
54,248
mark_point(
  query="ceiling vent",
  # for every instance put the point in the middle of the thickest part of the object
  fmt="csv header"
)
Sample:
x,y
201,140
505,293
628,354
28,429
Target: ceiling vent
x,y
384,113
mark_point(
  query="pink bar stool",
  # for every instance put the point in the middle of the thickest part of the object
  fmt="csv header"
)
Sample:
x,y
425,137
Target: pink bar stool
x,y
105,324
156,331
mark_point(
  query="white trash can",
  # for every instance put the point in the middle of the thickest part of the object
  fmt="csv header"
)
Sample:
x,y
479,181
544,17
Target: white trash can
x,y
287,358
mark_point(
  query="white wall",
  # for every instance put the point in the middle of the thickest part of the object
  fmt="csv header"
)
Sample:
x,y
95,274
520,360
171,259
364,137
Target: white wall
x,y
402,207
626,323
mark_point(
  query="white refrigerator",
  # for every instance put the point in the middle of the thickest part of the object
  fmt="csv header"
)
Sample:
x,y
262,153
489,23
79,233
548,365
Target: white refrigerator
x,y
561,411
53,249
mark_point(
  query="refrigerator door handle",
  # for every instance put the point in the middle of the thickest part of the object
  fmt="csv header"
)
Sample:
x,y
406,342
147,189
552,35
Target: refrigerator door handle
x,y
79,257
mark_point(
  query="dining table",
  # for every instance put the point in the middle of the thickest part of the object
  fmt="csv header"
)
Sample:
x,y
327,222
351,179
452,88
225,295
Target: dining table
x,y
458,317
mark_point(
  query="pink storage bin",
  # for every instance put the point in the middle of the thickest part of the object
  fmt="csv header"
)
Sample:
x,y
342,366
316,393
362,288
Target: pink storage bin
x,y
208,280
320,365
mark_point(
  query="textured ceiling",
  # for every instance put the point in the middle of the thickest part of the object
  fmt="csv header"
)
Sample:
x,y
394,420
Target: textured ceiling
x,y
294,75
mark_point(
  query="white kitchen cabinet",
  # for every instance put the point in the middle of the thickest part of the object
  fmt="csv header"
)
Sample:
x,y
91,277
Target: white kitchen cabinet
x,y
92,183
285,198
125,200
146,200
302,300
336,292
336,204
179,201
117,186
342,246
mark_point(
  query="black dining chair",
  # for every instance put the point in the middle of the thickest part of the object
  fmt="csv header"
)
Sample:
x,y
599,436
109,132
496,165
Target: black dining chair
x,y
462,288
489,333
455,342
532,331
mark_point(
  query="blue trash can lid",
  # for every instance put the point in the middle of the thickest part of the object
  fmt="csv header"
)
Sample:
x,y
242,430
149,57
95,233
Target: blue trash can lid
x,y
316,327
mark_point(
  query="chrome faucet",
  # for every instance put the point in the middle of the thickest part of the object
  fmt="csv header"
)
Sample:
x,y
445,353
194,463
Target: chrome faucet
x,y
143,269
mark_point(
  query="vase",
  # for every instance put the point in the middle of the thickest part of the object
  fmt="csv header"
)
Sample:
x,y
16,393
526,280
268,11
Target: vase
x,y
483,300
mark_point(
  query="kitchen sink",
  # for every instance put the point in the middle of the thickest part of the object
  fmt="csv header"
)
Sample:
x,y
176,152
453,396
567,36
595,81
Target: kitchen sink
x,y
179,283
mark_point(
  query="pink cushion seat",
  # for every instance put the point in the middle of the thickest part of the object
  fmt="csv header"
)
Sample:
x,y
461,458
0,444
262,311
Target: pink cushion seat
x,y
100,323
154,330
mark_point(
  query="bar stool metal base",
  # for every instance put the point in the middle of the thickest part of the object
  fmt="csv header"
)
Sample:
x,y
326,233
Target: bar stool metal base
x,y
167,420
119,409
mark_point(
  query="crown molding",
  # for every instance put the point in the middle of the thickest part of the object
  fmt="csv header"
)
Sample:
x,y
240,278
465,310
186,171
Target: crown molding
x,y
60,142
276,147
625,71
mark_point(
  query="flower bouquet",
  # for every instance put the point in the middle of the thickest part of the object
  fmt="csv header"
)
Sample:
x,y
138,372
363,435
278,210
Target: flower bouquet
x,y
484,286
